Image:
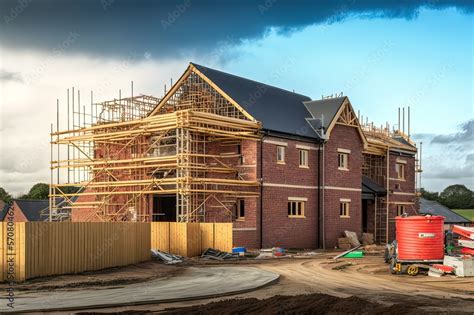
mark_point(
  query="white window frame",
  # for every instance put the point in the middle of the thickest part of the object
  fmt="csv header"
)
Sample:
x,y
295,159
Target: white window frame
x,y
400,170
303,157
280,154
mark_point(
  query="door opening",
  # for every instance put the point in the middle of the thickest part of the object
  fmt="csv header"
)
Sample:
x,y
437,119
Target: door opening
x,y
365,220
164,208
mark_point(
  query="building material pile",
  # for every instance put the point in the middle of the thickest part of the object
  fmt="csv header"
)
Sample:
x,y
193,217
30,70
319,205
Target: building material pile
x,y
167,258
463,264
215,254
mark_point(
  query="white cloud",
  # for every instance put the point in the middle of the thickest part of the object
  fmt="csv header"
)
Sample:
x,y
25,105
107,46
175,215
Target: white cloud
x,y
28,108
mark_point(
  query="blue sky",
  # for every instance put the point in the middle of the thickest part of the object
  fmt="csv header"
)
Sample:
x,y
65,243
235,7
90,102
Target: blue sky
x,y
383,55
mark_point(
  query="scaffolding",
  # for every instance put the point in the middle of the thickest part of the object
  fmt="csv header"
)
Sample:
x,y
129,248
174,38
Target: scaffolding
x,y
376,161
123,152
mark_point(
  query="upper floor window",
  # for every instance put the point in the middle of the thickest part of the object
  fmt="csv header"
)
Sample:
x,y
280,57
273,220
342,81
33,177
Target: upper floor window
x,y
343,161
280,154
400,170
303,158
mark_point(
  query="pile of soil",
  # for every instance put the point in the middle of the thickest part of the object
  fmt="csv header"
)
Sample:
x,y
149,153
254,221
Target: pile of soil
x,y
300,304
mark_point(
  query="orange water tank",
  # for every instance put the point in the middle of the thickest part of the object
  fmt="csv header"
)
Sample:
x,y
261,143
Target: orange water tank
x,y
420,237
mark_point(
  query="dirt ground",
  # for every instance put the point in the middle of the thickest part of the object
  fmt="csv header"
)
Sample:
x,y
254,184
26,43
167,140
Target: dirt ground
x,y
111,277
301,304
314,282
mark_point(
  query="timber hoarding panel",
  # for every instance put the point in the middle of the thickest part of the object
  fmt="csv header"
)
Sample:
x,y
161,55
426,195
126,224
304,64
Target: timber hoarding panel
x,y
43,249
191,239
53,248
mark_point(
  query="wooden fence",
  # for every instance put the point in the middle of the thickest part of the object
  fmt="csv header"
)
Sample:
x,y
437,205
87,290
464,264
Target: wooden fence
x,y
190,239
53,248
37,249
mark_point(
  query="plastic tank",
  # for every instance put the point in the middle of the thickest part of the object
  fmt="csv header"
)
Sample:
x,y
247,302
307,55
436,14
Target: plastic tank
x,y
420,237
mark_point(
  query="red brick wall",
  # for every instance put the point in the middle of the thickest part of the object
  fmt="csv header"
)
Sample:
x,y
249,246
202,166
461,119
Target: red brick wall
x,y
348,138
81,214
405,193
283,231
245,233
278,228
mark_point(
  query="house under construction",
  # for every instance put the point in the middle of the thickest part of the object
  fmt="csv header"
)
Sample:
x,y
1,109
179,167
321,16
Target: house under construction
x,y
286,170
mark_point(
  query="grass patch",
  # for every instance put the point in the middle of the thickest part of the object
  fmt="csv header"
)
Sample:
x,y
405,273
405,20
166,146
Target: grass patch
x,y
467,213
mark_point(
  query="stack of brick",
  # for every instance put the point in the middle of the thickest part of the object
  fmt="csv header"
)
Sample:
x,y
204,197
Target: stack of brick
x,y
344,243
367,239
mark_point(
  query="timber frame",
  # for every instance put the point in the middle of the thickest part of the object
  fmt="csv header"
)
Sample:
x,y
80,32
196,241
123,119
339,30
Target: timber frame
x,y
137,148
346,116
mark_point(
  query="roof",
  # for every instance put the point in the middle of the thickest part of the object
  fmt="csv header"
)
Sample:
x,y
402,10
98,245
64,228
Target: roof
x,y
325,109
435,208
369,186
404,141
3,211
32,208
277,109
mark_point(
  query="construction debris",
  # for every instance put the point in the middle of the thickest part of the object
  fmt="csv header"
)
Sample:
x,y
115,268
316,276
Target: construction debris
x,y
165,257
466,243
433,272
265,253
344,243
278,251
346,252
353,239
239,250
367,239
215,254
373,249
463,266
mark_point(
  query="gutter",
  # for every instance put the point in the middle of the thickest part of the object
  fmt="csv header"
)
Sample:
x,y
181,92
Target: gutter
x,y
319,197
261,191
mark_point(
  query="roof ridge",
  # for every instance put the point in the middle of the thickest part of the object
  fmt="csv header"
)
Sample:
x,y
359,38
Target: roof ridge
x,y
326,99
242,78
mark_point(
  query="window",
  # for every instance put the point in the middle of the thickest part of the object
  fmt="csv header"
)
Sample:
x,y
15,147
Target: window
x,y
240,209
344,208
400,170
303,158
343,161
295,208
400,210
280,154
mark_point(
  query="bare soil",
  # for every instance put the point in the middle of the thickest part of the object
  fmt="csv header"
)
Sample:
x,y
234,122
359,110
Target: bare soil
x,y
312,284
302,304
101,279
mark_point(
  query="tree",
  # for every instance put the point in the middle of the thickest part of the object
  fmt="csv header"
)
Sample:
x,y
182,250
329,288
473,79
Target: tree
x,y
5,196
429,195
456,197
39,191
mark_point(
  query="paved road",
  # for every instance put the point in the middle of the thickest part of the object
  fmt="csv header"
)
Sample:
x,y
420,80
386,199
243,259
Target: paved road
x,y
194,283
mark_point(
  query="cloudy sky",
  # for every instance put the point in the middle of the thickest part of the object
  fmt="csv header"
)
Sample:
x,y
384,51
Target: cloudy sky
x,y
382,54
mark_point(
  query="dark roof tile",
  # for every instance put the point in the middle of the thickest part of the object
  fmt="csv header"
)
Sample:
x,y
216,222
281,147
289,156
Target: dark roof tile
x,y
277,109
435,208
